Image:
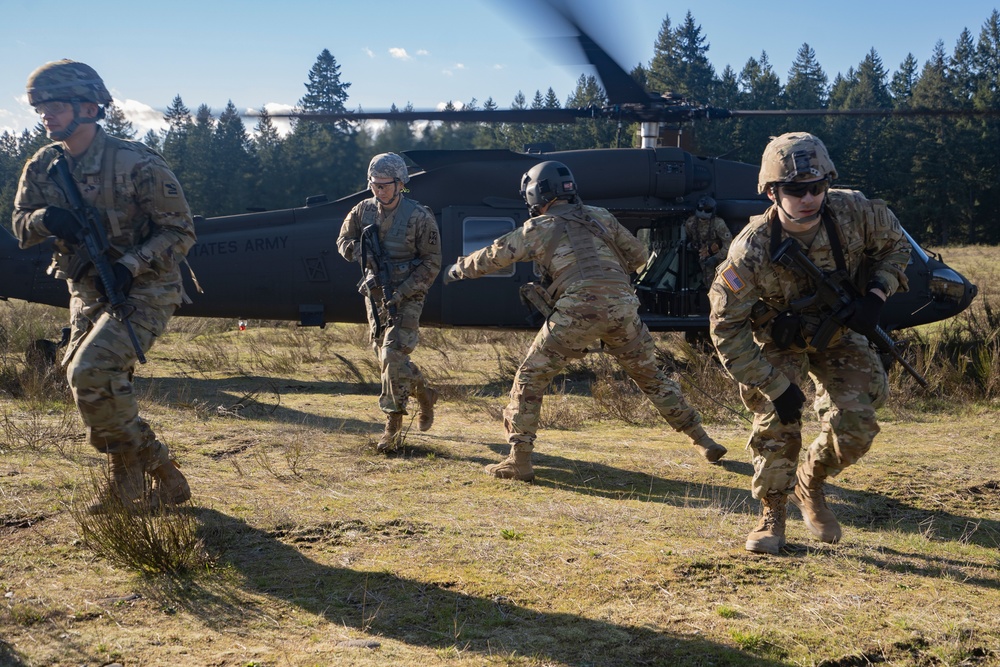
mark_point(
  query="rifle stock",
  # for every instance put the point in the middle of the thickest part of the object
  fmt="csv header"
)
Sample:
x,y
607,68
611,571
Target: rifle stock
x,y
93,246
840,295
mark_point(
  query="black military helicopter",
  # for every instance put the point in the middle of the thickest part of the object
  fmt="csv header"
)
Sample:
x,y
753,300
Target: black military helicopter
x,y
284,265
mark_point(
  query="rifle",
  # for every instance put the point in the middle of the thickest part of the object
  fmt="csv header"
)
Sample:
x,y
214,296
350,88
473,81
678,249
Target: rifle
x,y
377,275
838,293
93,247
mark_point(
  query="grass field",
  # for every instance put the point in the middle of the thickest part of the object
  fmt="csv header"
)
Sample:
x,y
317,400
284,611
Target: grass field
x,y
305,547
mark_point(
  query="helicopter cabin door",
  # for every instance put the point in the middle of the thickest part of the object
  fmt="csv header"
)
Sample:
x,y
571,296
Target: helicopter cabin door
x,y
492,300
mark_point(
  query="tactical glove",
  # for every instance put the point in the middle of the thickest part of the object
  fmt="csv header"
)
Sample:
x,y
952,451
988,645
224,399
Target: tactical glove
x,y
123,280
866,314
452,273
789,404
61,223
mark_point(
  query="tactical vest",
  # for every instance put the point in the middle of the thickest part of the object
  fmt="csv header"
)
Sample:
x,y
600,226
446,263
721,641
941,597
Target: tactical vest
x,y
582,232
121,238
400,253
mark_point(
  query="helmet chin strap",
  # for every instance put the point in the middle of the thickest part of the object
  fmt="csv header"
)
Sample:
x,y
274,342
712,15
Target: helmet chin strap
x,y
397,190
67,132
791,218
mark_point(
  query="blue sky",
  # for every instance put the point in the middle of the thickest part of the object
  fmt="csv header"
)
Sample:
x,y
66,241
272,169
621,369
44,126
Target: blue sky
x,y
425,53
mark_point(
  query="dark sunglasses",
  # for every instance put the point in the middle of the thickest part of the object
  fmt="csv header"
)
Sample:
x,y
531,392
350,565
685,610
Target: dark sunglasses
x,y
799,190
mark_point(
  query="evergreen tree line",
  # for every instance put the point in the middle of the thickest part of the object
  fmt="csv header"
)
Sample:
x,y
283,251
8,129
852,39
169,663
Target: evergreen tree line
x,y
940,173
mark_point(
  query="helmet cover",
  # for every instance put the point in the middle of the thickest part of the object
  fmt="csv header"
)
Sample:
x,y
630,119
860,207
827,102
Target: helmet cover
x,y
792,157
66,80
388,165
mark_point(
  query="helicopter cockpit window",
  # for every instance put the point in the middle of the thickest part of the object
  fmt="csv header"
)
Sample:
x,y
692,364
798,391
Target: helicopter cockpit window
x,y
479,232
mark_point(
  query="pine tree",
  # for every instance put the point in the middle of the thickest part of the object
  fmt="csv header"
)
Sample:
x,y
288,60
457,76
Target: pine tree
x,y
326,153
116,124
806,89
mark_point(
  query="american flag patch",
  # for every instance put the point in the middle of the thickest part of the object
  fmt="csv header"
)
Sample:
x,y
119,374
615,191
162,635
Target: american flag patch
x,y
733,279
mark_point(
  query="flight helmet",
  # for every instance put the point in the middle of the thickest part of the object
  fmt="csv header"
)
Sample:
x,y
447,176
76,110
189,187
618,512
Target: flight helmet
x,y
545,182
706,208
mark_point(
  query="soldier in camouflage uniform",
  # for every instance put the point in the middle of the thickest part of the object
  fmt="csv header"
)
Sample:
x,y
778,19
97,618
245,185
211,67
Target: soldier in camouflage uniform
x,y
765,343
586,255
408,234
149,227
709,236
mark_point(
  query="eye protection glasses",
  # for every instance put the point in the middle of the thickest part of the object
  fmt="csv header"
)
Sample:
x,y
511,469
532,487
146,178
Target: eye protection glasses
x,y
380,186
53,108
799,190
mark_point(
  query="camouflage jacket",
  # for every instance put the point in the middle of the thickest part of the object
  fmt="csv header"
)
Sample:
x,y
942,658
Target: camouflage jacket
x,y
748,286
708,232
145,215
422,244
537,240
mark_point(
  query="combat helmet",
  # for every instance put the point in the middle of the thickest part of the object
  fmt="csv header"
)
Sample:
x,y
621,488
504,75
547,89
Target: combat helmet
x,y
706,207
545,182
388,165
794,156
66,81
72,82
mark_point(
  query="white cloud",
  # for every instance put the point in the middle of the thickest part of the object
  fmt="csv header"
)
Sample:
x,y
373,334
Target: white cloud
x,y
368,52
142,116
277,110
399,53
423,52
450,71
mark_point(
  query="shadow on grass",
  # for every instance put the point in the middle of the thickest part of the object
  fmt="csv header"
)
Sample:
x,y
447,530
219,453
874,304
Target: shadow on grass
x,y
259,397
860,509
10,657
419,613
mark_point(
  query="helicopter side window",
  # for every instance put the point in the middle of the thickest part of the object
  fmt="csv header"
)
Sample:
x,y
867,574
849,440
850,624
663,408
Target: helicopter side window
x,y
479,232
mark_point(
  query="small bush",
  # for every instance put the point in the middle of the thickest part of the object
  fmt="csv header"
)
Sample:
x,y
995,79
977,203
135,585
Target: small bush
x,y
136,536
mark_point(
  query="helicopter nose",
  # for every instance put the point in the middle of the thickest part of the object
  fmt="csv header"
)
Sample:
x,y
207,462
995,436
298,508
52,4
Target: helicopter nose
x,y
949,286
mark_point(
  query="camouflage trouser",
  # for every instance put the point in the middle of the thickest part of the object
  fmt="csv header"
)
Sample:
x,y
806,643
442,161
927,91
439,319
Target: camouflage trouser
x,y
99,364
400,377
580,320
850,383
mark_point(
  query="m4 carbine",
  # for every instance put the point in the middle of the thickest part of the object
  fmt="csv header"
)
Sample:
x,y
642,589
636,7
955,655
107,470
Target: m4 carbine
x,y
376,276
838,293
93,247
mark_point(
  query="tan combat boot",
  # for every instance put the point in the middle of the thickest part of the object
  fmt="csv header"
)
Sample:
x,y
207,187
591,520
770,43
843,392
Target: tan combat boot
x,y
126,484
170,486
769,535
819,518
428,397
517,465
392,436
709,448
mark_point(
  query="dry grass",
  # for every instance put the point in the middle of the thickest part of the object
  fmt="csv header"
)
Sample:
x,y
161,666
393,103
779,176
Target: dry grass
x,y
627,550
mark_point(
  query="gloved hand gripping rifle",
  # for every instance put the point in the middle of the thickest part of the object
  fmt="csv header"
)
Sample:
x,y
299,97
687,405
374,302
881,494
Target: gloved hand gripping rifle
x,y
838,293
376,275
93,247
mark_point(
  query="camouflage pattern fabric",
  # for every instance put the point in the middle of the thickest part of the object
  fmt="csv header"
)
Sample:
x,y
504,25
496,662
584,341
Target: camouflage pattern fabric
x,y
843,373
703,235
151,231
588,311
746,294
401,378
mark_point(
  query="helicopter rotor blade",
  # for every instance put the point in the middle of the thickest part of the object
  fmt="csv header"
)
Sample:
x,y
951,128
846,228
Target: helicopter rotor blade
x,y
663,113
